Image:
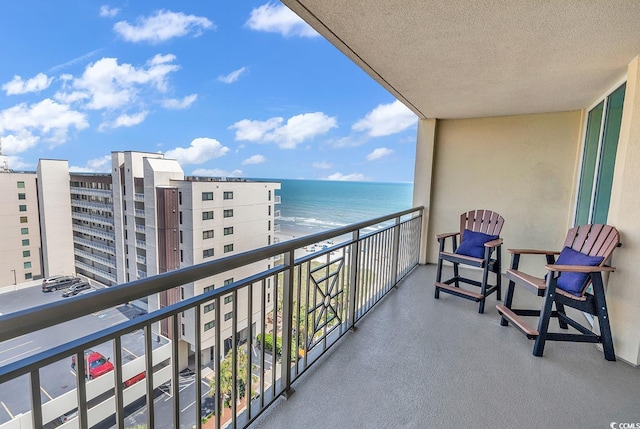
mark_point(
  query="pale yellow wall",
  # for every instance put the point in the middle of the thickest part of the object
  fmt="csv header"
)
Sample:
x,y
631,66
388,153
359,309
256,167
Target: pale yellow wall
x,y
623,292
423,171
523,167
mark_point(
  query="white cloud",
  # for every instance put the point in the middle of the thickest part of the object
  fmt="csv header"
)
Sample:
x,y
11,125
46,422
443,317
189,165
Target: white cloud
x,y
164,25
22,141
274,18
386,119
108,12
322,165
97,165
201,150
109,85
16,163
216,172
175,104
353,177
287,136
233,76
47,118
255,159
35,84
379,153
125,120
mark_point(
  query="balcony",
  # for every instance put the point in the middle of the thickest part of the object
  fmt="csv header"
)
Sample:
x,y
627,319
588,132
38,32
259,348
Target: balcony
x,y
139,228
94,232
141,259
141,244
101,193
334,288
276,214
92,218
94,245
139,213
94,205
138,197
99,259
95,270
277,200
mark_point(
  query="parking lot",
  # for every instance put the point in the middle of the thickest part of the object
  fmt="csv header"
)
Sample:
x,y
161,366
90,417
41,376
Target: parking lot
x,y
59,377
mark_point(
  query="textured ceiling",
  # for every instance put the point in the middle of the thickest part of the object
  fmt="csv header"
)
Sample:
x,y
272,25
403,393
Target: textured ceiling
x,y
465,59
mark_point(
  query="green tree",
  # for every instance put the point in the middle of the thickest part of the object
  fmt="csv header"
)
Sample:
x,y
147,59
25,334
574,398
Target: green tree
x,y
226,376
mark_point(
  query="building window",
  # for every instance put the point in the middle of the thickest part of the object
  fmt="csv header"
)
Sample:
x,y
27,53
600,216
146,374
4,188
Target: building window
x,y
28,276
183,329
23,207
24,231
207,234
269,210
207,253
27,264
181,256
228,230
228,316
209,325
20,185
23,219
228,248
26,253
179,197
228,281
207,196
269,194
182,293
209,307
228,213
268,297
269,225
228,299
180,215
22,196
208,288
25,242
227,195
180,236
207,215
268,240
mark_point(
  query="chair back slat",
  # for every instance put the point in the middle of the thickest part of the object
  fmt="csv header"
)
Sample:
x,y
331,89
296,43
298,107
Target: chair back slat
x,y
593,240
485,221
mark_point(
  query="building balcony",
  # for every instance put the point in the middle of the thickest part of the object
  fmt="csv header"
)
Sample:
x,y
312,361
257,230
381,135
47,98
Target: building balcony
x,y
94,232
139,213
94,205
277,200
141,259
92,218
95,270
95,245
142,274
141,244
276,227
139,228
332,297
99,259
138,197
101,193
276,214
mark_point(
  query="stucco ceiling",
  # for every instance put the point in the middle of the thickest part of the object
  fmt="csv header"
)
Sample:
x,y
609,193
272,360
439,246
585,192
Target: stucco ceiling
x,y
466,58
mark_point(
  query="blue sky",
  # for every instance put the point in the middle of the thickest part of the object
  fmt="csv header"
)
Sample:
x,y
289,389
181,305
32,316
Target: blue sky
x,y
233,88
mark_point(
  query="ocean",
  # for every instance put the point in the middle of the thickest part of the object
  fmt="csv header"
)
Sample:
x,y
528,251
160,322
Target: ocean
x,y
311,206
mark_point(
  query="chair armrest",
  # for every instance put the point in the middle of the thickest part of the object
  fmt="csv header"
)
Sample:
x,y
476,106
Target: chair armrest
x,y
446,235
578,268
532,252
493,243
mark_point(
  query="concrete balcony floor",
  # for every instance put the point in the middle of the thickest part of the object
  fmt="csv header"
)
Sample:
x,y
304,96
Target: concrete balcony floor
x,y
417,362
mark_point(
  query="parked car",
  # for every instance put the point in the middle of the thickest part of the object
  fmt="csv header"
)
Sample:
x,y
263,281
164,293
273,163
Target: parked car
x,y
133,380
53,283
95,364
76,288
68,416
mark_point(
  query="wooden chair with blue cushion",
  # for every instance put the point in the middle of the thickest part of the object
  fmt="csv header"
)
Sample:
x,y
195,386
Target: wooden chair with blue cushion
x,y
479,240
573,280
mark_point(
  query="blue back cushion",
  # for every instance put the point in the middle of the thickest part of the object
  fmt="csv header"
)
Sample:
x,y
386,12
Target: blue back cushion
x,y
574,283
473,243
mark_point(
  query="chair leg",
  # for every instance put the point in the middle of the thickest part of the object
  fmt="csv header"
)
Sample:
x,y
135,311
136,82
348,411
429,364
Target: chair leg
x,y
603,317
507,302
562,323
498,271
456,274
545,315
483,286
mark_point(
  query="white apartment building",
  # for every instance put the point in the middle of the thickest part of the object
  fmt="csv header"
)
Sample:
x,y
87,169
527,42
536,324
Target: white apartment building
x,y
141,219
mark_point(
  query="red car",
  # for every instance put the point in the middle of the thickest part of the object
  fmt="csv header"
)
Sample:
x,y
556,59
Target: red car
x,y
95,363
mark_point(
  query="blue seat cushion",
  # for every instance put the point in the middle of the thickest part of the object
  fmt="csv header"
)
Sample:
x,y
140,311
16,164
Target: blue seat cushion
x,y
574,283
473,243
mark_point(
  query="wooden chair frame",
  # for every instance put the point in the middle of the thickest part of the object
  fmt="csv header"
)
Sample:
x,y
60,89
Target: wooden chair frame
x,y
487,222
591,239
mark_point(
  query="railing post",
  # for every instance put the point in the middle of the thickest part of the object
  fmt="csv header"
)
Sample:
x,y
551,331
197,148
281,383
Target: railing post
x,y
353,277
396,252
287,324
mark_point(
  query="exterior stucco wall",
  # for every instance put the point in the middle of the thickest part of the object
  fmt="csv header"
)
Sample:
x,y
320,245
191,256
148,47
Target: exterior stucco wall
x,y
623,291
523,167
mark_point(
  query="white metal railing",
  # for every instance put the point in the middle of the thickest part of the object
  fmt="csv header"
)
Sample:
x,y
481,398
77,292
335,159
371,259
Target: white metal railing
x,y
139,228
276,214
321,296
97,271
94,232
141,244
105,193
91,218
276,227
139,213
95,245
141,259
277,199
138,197
142,274
87,255
95,205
